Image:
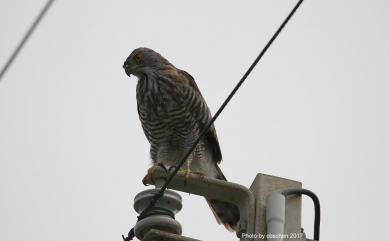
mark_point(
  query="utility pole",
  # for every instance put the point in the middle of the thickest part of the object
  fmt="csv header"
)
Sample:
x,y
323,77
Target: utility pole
x,y
265,212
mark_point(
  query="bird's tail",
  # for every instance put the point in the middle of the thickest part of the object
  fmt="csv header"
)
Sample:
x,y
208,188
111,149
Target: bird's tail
x,y
225,213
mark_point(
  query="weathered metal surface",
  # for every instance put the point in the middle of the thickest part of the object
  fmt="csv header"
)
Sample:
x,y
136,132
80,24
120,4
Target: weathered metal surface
x,y
261,187
210,188
158,235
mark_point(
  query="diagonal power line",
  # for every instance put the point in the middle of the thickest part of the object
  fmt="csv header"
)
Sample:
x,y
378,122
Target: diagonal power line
x,y
25,38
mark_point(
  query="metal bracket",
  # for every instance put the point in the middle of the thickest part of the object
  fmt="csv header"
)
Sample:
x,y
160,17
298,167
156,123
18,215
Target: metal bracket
x,y
158,235
211,188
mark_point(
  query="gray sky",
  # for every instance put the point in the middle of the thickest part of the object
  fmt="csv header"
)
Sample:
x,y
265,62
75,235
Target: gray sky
x,y
316,109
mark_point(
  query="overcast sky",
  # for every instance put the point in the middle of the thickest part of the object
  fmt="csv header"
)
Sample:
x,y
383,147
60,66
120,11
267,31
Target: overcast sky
x,y
316,110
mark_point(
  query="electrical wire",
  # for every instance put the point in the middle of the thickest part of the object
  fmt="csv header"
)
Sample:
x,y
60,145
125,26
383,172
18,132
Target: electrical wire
x,y
25,38
317,208
158,195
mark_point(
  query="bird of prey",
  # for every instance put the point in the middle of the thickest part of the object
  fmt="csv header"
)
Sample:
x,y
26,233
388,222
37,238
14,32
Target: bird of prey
x,y
173,113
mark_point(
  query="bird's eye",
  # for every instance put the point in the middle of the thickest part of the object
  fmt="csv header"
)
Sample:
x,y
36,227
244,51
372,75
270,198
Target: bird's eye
x,y
138,58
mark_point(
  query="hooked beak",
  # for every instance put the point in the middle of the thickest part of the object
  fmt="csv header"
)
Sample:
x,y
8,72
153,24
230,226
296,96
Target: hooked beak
x,y
126,67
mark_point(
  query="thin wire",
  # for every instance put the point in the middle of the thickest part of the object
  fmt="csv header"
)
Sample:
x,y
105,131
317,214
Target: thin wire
x,y
317,208
158,195
26,37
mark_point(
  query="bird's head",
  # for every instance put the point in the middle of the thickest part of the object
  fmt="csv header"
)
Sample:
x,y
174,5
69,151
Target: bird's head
x,y
143,61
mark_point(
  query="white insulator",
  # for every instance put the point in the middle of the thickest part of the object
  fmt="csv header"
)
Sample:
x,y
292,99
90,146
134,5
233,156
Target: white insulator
x,y
275,214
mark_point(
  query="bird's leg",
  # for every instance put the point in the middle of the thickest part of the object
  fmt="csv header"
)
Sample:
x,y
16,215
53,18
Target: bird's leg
x,y
148,177
196,166
187,170
160,164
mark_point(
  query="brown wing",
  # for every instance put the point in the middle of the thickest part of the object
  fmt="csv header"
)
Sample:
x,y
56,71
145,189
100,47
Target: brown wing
x,y
211,139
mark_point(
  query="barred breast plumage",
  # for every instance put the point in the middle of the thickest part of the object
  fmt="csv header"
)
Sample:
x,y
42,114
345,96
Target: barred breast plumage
x,y
173,113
